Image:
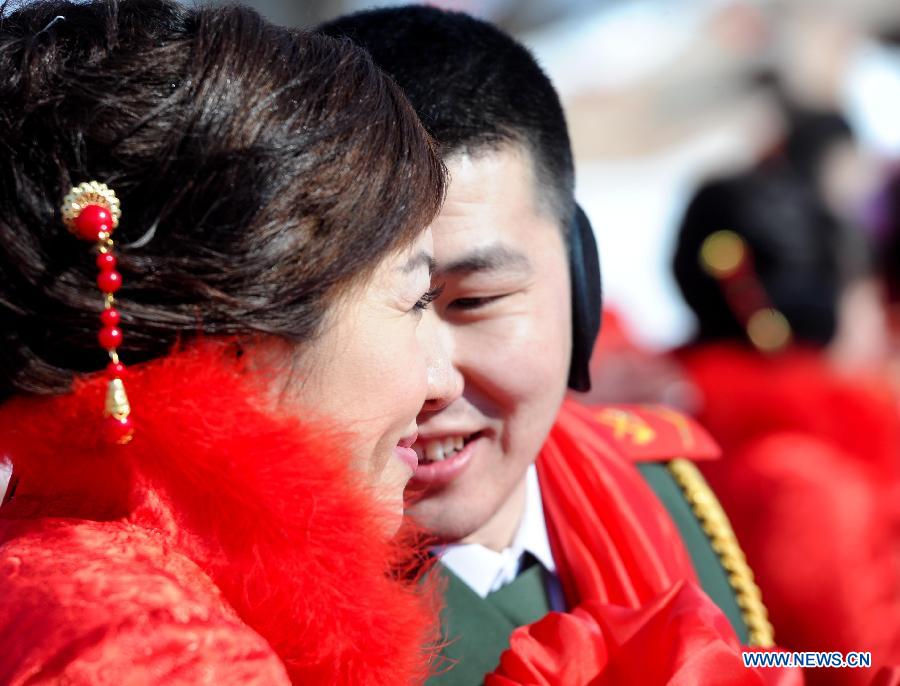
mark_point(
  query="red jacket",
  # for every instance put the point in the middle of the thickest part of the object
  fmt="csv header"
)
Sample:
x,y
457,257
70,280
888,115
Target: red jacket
x,y
809,478
222,546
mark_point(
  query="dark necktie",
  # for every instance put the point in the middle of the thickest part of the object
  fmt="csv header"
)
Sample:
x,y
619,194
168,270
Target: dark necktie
x,y
525,599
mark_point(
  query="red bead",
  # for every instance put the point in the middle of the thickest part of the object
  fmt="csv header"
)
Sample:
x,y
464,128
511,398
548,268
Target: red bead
x,y
110,337
92,221
106,262
116,370
110,317
118,431
109,282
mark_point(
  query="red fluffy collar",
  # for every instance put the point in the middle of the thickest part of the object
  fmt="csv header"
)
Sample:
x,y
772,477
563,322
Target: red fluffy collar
x,y
264,505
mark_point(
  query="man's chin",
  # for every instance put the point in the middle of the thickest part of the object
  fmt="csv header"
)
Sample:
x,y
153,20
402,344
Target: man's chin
x,y
431,515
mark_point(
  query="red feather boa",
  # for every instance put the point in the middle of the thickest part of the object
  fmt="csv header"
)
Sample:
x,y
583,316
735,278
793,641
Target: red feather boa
x,y
213,499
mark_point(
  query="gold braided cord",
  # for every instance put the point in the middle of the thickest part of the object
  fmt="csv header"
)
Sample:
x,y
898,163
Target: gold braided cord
x,y
715,524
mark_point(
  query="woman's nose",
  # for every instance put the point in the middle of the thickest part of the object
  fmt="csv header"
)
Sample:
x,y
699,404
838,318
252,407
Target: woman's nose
x,y
445,382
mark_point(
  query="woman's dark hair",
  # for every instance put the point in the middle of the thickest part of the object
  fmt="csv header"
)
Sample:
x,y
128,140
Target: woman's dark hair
x,y
810,137
260,171
800,252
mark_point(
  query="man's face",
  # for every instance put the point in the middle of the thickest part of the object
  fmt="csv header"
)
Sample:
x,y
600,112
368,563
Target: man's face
x,y
505,320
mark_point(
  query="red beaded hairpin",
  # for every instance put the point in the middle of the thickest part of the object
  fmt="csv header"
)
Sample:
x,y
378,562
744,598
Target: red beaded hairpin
x,y
91,211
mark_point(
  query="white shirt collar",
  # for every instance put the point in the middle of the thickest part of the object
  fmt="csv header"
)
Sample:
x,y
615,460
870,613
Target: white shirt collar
x,y
484,570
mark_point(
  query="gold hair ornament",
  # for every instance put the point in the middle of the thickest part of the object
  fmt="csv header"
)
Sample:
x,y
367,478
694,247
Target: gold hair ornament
x,y
727,258
91,212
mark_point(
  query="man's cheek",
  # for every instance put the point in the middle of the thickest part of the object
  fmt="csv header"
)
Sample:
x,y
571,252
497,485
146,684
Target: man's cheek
x,y
520,331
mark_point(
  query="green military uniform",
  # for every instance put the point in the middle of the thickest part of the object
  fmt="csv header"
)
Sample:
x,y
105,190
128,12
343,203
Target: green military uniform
x,y
476,630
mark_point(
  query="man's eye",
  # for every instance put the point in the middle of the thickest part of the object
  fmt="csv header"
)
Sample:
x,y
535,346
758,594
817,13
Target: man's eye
x,y
474,303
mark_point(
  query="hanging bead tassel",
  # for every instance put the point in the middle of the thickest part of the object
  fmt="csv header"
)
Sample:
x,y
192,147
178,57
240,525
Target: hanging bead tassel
x,y
91,212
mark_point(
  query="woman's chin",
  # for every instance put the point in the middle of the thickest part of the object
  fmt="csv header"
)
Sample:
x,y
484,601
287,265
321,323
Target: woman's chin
x,y
390,515
391,495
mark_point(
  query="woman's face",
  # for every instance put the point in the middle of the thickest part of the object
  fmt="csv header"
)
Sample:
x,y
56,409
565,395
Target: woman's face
x,y
372,369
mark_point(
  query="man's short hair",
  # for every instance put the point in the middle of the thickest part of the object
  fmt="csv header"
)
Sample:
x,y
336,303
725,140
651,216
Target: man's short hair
x,y
474,88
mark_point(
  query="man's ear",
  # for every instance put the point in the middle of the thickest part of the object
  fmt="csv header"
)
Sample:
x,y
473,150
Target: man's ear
x,y
587,298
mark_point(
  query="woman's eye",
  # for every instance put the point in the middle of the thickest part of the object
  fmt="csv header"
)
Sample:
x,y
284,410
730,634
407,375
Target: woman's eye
x,y
428,298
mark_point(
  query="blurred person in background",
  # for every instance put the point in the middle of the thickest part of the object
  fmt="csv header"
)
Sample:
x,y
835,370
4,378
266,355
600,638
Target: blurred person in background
x,y
669,91
229,520
817,152
568,547
889,268
790,329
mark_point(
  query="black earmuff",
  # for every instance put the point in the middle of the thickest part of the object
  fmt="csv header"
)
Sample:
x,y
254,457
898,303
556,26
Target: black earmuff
x,y
587,298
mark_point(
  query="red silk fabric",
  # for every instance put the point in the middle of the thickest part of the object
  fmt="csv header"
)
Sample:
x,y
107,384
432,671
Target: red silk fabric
x,y
639,616
678,638
612,539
